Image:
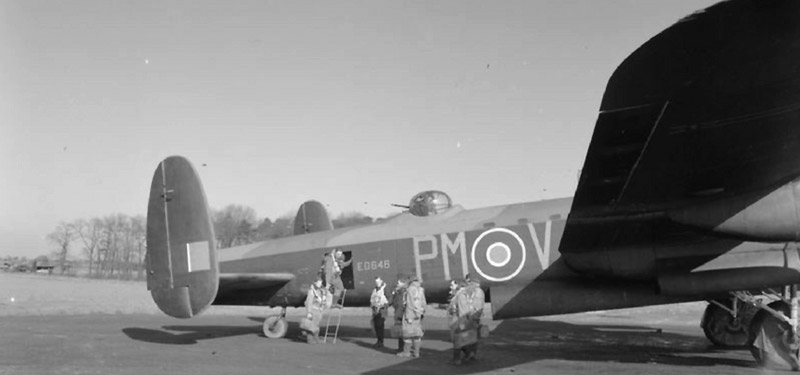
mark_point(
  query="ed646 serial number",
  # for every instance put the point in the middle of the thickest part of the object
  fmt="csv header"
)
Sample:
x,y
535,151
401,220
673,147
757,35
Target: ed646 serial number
x,y
373,265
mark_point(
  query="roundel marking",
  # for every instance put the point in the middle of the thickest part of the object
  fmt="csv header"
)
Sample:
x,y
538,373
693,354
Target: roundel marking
x,y
498,254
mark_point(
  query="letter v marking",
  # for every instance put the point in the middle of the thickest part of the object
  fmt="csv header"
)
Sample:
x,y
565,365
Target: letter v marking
x,y
543,252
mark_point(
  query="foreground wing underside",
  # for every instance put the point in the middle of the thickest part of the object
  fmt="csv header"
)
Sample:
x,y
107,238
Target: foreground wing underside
x,y
704,112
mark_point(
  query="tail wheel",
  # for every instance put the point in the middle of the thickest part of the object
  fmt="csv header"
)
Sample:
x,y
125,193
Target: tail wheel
x,y
771,339
275,327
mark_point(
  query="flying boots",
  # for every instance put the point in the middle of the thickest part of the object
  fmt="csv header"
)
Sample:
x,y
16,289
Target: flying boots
x,y
312,337
406,349
456,357
472,352
415,346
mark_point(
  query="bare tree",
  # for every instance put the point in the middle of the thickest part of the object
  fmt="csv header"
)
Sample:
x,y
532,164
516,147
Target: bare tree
x,y
262,231
139,233
107,246
62,237
112,243
233,225
116,245
282,227
128,248
89,231
350,219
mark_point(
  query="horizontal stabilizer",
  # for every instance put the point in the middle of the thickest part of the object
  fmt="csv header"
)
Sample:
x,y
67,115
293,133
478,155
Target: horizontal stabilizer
x,y
240,281
250,288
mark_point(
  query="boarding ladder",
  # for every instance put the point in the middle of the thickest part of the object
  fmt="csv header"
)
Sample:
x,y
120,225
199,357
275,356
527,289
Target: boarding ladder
x,y
328,330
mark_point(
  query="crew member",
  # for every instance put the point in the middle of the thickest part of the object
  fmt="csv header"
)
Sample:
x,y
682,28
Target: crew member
x,y
315,305
413,313
379,304
398,298
338,286
455,285
475,299
453,319
327,270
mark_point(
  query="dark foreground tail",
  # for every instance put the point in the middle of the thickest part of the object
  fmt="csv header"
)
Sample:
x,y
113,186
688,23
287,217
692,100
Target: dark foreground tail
x,y
182,270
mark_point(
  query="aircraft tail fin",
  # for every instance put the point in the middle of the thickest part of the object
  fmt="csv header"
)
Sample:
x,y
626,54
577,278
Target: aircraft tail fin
x,y
312,217
182,269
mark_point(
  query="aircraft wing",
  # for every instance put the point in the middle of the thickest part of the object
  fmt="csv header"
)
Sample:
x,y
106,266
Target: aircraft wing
x,y
250,288
696,126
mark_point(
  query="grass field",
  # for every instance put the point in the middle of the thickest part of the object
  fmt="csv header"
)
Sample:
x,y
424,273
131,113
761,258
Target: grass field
x,y
35,294
24,294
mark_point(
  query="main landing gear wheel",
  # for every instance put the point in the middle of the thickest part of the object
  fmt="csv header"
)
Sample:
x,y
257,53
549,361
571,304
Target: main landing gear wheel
x,y
275,326
725,330
773,345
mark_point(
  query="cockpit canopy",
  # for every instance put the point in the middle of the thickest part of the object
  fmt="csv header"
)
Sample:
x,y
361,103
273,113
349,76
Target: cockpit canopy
x,y
429,203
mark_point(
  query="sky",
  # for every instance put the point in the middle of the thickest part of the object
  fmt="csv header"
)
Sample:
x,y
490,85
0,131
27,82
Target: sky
x,y
357,104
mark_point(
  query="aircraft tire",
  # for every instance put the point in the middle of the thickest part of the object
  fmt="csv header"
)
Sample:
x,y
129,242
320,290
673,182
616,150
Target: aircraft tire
x,y
722,330
275,327
770,338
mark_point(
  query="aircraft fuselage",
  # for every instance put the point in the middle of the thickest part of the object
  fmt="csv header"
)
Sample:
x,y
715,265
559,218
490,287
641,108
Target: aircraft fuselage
x,y
500,245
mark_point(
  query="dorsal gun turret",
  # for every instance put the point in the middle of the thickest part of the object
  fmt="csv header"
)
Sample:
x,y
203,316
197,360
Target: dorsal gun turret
x,y
429,203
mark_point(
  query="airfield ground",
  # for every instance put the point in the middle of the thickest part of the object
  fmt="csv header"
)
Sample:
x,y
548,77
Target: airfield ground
x,y
54,325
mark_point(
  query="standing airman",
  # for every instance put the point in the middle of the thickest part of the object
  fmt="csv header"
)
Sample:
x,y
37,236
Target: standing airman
x,y
454,309
398,302
474,301
379,304
315,305
413,313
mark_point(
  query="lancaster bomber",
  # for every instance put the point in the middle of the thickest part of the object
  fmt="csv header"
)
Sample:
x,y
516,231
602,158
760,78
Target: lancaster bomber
x,y
690,191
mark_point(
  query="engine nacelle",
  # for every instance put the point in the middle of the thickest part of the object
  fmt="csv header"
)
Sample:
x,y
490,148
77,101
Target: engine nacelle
x,y
766,215
552,297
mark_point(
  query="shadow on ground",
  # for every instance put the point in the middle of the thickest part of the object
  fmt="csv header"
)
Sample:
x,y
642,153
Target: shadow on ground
x,y
187,335
516,342
512,343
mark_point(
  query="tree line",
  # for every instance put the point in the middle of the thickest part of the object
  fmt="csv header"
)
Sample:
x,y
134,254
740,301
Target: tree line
x,y
114,246
236,225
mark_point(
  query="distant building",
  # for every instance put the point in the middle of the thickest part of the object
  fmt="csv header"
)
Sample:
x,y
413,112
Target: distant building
x,y
42,265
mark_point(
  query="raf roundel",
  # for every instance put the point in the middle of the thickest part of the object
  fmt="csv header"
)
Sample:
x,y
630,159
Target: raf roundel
x,y
498,254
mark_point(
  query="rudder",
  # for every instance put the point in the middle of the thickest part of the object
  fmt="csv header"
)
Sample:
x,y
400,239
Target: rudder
x,y
311,217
